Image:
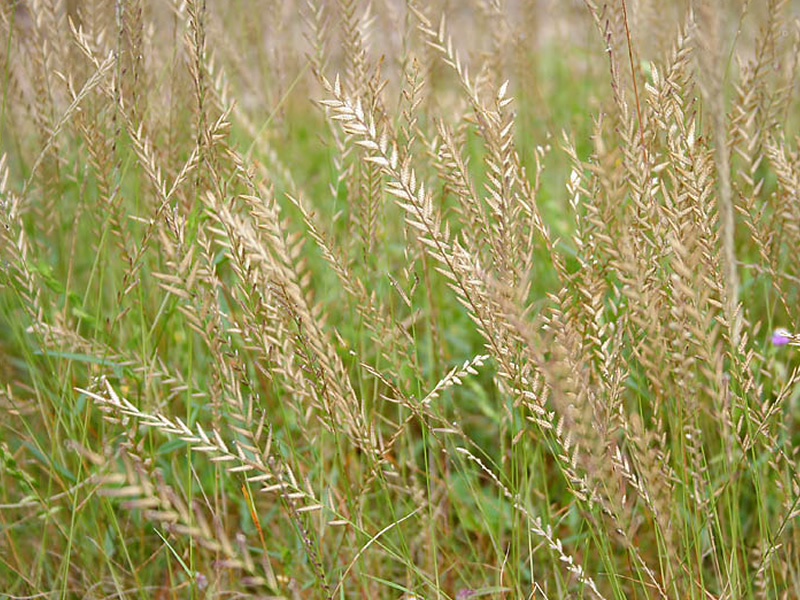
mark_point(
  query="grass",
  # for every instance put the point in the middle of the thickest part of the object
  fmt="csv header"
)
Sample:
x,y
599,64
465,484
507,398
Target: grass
x,y
311,300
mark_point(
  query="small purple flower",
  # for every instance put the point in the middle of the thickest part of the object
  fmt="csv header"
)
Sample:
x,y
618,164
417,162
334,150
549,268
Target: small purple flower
x,y
463,594
201,580
781,337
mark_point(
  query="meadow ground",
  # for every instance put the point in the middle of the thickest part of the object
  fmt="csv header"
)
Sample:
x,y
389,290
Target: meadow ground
x,y
442,300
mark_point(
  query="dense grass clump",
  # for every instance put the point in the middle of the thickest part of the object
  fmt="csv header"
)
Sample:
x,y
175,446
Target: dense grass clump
x,y
399,299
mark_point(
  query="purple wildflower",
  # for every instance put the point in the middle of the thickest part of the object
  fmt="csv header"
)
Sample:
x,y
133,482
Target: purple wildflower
x,y
201,580
781,337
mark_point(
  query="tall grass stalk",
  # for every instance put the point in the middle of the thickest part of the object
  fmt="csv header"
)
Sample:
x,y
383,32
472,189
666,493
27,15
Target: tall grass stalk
x,y
337,299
